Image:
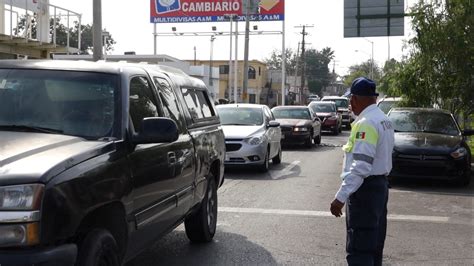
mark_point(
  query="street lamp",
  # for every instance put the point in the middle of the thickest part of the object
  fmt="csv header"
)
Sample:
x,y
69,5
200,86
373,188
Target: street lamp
x,y
371,62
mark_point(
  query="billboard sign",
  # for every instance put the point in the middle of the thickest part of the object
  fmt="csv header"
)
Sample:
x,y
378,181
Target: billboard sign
x,y
182,11
371,18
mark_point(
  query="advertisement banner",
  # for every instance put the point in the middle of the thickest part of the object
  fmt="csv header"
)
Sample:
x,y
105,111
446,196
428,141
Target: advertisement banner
x,y
182,11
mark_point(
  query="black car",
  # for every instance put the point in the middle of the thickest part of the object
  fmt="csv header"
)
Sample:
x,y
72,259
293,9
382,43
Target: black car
x,y
299,125
98,160
429,144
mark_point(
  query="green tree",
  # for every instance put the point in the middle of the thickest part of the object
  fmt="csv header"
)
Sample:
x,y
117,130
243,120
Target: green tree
x,y
363,70
440,67
275,59
62,33
317,70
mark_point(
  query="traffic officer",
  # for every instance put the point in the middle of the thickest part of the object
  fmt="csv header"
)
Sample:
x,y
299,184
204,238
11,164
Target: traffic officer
x,y
364,188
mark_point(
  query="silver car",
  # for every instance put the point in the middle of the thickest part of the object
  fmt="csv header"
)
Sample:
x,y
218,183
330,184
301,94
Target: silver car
x,y
252,135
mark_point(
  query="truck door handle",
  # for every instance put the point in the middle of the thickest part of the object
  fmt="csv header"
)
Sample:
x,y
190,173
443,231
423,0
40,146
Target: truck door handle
x,y
171,157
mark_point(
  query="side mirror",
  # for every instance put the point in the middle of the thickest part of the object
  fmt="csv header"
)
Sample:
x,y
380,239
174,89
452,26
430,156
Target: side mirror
x,y
468,132
156,130
273,124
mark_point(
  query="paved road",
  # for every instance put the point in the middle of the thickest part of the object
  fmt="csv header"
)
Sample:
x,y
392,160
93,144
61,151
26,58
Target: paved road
x,y
282,218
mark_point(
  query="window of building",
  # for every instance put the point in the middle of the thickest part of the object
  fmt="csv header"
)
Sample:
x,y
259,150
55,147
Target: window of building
x,y
252,73
252,98
224,69
259,71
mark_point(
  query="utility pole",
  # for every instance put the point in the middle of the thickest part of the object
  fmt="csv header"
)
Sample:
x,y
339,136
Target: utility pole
x,y
97,30
246,52
303,61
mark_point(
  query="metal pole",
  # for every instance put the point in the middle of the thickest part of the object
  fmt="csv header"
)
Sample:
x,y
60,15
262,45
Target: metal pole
x,y
67,35
54,27
372,62
211,83
236,61
11,19
79,34
97,30
283,66
246,52
230,62
154,40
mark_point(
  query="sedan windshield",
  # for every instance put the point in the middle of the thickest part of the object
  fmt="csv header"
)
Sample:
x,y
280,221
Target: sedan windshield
x,y
72,103
291,113
340,103
430,122
240,116
323,108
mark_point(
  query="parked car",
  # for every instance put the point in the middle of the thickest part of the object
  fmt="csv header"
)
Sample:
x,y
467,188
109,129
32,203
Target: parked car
x,y
313,97
98,160
331,120
429,144
387,103
252,136
299,124
342,104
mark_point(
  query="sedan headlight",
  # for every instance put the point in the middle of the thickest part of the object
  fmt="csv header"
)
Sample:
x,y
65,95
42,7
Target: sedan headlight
x,y
300,129
459,153
23,197
255,140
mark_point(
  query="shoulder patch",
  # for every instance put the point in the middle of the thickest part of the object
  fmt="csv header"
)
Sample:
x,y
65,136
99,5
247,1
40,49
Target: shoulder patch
x,y
360,135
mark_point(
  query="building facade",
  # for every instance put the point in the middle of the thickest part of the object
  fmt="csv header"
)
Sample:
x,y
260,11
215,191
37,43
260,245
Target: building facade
x,y
257,80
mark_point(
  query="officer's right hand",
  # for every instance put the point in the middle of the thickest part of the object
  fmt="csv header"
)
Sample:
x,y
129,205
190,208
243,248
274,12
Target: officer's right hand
x,y
336,208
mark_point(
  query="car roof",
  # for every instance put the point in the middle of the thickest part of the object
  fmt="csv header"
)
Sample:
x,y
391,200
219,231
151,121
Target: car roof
x,y
334,98
241,105
81,65
419,109
290,107
323,102
390,99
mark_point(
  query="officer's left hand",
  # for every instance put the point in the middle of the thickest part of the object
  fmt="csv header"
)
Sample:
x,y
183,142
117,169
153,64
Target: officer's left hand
x,y
336,208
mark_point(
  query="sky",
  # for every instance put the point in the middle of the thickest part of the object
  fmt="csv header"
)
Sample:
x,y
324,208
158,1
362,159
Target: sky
x,y
129,24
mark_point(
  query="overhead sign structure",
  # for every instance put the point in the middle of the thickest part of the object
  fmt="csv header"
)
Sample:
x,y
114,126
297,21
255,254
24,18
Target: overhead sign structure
x,y
182,11
371,18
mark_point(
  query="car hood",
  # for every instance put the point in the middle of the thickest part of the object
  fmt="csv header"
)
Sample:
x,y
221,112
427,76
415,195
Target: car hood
x,y
425,143
294,122
37,157
241,132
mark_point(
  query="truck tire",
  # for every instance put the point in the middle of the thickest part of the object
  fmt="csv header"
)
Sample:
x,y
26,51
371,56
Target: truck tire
x,y
201,226
98,248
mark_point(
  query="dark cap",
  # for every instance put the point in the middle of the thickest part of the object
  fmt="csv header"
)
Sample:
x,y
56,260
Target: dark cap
x,y
363,87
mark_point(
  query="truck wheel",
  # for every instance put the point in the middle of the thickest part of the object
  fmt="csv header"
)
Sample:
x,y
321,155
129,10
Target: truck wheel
x,y
98,248
464,180
277,158
201,226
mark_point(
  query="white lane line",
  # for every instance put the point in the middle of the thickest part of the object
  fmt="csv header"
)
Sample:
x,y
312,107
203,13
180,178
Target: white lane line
x,y
393,217
277,174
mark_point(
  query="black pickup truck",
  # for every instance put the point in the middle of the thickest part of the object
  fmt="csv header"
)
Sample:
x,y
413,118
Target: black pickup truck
x,y
98,160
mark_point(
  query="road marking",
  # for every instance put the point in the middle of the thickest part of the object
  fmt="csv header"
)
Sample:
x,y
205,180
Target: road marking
x,y
277,174
392,217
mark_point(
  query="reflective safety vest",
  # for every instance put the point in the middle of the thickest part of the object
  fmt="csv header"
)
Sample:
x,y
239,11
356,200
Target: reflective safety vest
x,y
370,145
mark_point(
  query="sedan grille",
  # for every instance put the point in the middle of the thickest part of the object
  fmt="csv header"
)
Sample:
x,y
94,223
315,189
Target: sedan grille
x,y
233,146
285,129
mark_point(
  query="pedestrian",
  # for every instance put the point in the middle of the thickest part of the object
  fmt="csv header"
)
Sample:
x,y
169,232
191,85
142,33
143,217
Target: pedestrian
x,y
364,188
